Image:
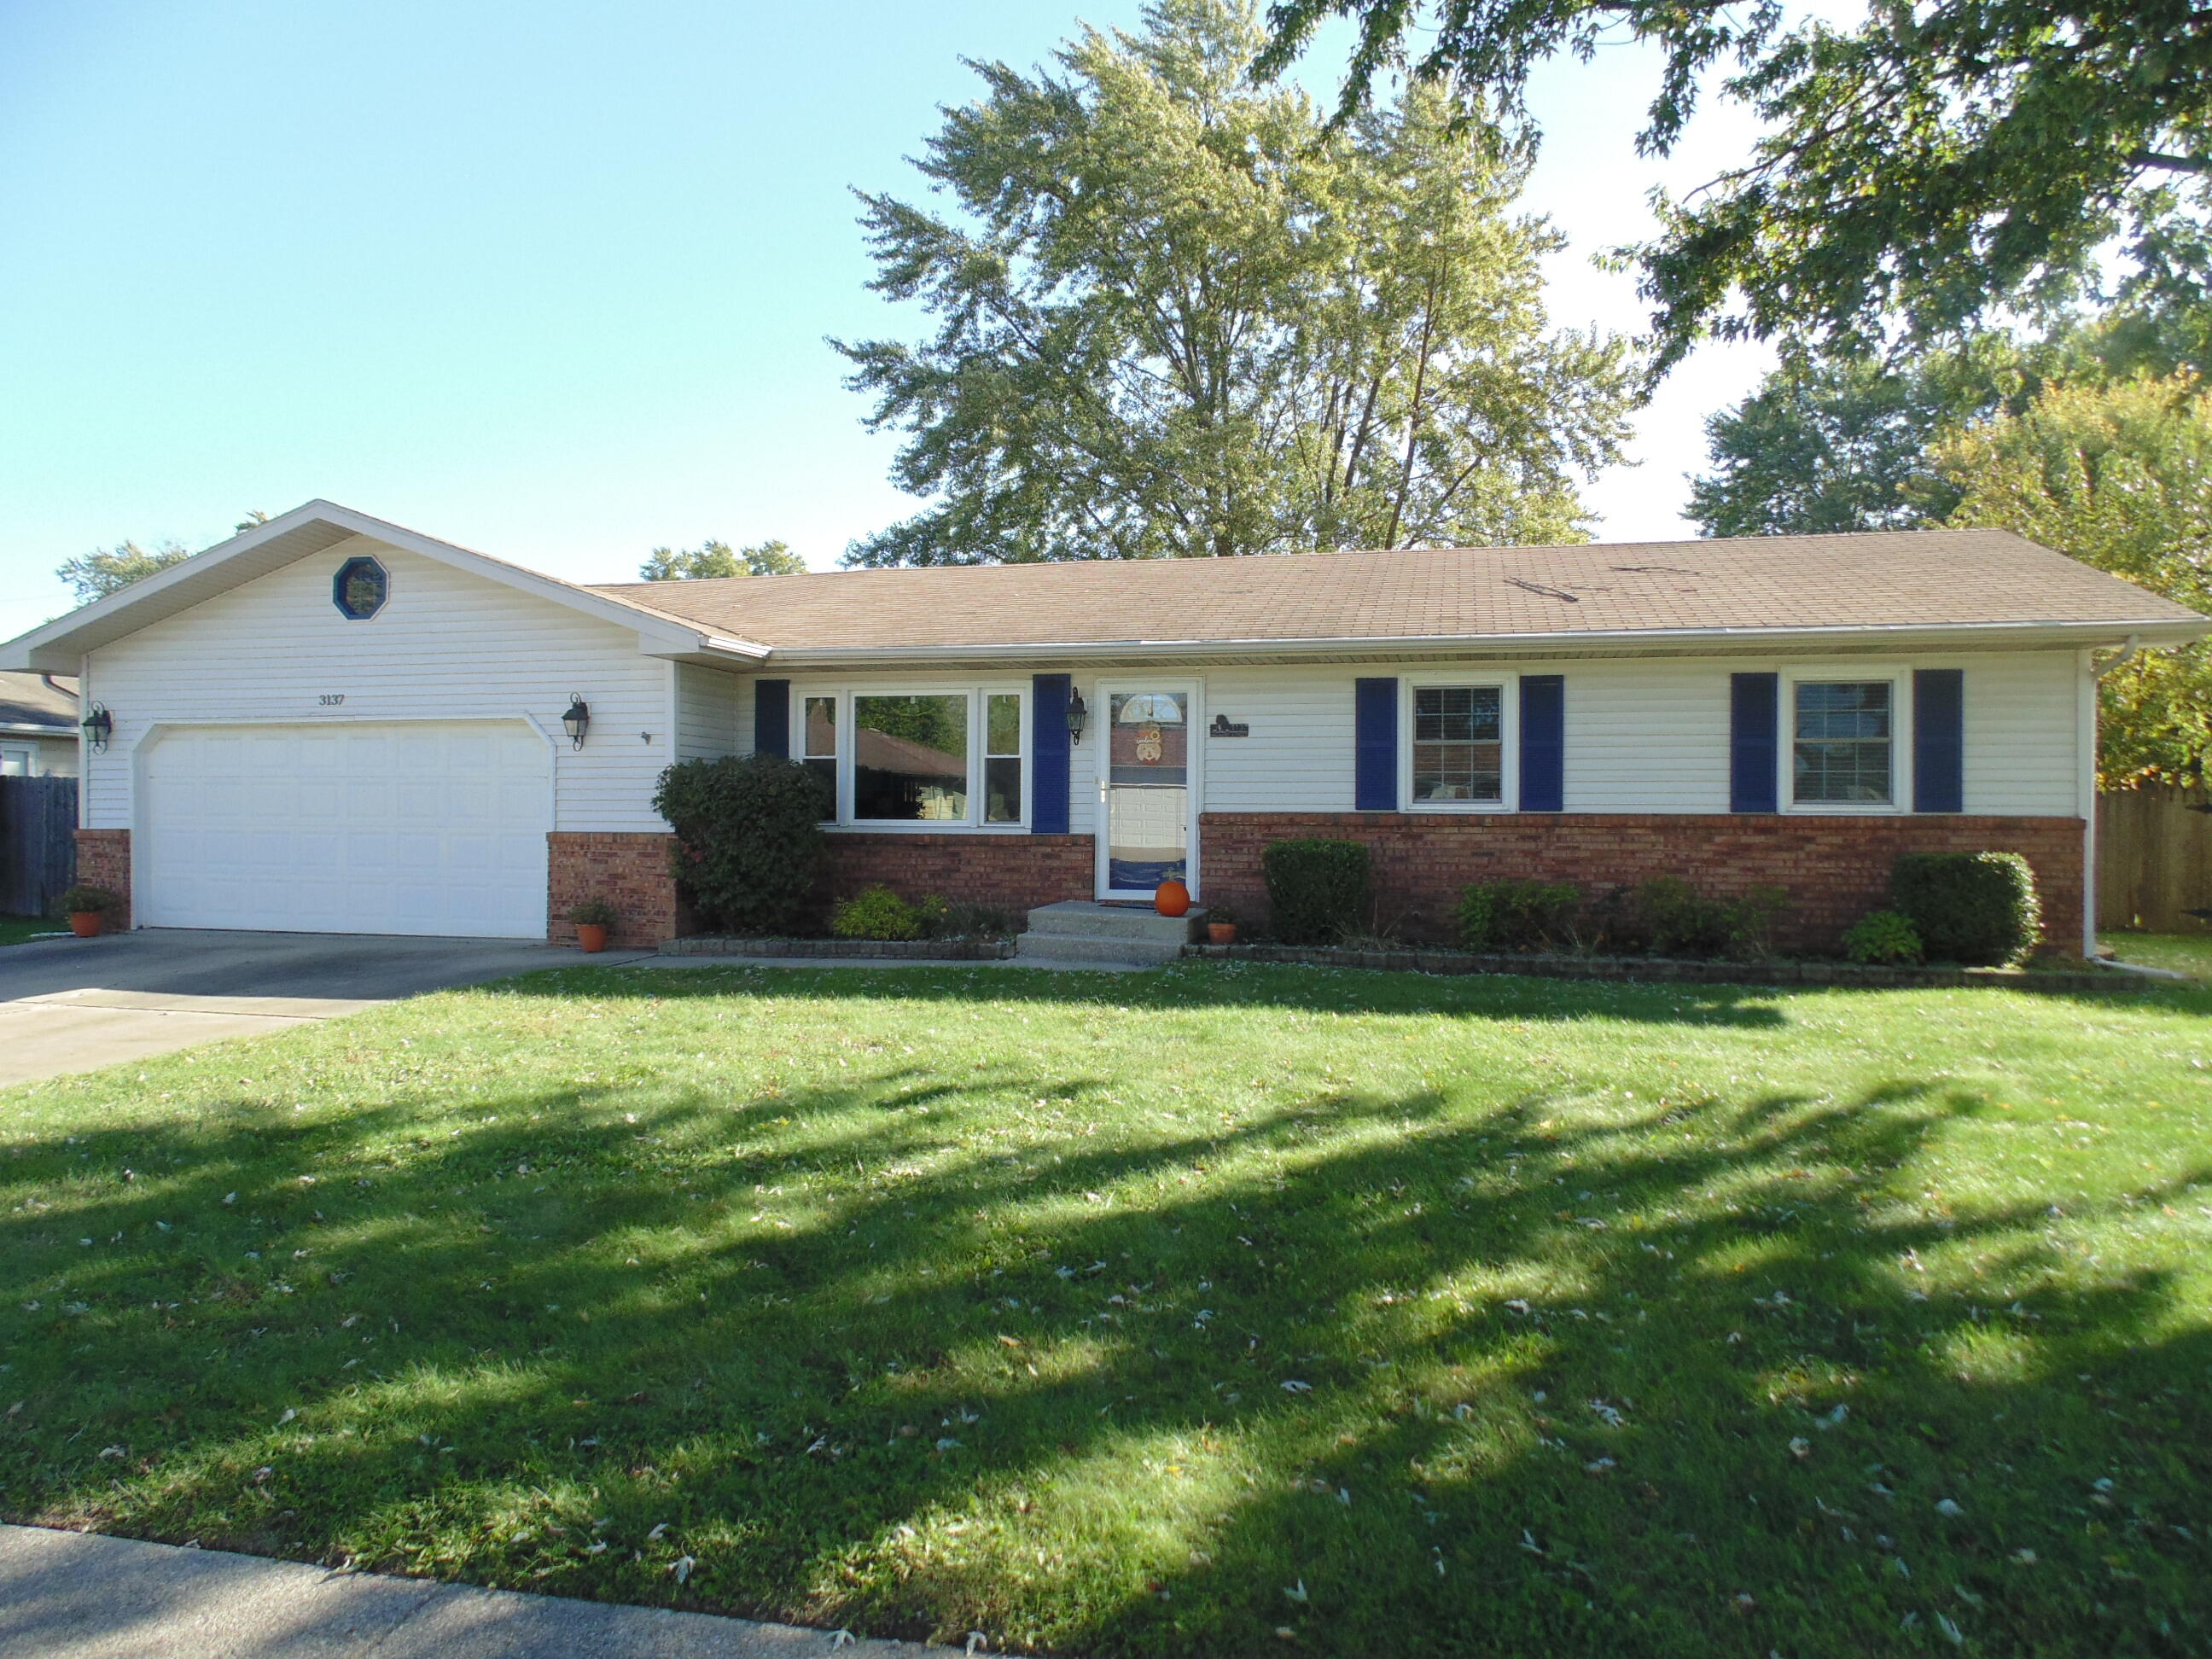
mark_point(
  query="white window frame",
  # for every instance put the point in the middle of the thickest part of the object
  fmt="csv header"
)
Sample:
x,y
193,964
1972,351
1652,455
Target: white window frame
x,y
1900,677
30,754
1508,682
845,691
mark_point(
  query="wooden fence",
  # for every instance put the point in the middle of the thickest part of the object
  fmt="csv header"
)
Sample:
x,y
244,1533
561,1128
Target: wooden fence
x,y
38,843
2154,858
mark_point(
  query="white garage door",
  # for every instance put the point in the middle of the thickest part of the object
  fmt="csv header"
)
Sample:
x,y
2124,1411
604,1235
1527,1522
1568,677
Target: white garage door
x,y
428,829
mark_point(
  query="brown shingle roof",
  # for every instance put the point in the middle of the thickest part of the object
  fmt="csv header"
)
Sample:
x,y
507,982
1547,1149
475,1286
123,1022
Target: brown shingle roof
x,y
28,700
1932,578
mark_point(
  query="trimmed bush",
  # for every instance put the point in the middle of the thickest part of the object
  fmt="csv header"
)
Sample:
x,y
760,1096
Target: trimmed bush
x,y
1885,938
1516,915
81,898
1316,890
1677,921
749,842
1979,910
878,913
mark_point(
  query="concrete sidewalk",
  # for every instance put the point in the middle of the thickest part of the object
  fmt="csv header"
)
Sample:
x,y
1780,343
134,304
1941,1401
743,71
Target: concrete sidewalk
x,y
78,1595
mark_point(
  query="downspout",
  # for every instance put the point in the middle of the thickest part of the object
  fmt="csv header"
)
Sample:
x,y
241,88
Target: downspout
x,y
2127,653
2087,738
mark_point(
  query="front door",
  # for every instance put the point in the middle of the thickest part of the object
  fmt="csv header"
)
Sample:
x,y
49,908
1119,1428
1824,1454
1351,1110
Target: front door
x,y
1148,776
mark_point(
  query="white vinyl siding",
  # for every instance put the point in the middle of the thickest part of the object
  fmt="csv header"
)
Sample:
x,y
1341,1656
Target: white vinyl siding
x,y
1643,734
447,646
707,713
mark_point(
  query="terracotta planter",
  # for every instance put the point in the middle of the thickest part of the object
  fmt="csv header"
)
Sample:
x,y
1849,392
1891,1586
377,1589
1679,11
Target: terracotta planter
x,y
592,936
1221,933
1173,899
87,924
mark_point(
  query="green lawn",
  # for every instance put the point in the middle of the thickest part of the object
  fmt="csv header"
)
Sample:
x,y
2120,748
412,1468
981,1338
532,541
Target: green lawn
x,y
14,930
2184,953
1207,1312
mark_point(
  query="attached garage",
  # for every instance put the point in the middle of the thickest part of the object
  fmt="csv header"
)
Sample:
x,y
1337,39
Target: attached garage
x,y
426,827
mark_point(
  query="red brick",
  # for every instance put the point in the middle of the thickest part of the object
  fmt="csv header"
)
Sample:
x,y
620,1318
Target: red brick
x,y
634,872
1835,869
1007,872
103,860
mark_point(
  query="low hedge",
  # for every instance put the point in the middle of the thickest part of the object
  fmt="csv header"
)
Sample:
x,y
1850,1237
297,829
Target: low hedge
x,y
1980,910
1316,889
1516,915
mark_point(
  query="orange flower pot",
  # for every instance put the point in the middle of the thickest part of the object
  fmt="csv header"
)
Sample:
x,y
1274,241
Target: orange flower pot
x,y
1221,933
1173,899
591,936
87,924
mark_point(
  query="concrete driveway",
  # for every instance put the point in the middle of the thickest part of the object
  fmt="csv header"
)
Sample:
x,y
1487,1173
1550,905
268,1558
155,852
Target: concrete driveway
x,y
73,1004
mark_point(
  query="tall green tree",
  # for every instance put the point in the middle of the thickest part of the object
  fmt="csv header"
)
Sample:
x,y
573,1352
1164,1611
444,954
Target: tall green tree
x,y
1935,160
107,570
2119,475
1176,317
669,564
1828,445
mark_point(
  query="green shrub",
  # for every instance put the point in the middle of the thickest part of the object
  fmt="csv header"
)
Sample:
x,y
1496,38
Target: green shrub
x,y
1675,919
965,920
1316,890
82,898
1885,938
1976,908
1516,915
593,912
877,912
749,842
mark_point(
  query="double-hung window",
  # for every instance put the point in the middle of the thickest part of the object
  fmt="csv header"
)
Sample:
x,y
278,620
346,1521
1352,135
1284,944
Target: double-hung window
x,y
1843,743
950,759
1458,745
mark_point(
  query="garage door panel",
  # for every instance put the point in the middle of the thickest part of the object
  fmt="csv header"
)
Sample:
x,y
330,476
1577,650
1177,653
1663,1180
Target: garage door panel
x,y
410,829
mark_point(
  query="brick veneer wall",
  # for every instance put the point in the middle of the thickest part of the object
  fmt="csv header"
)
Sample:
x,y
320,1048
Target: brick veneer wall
x,y
103,860
1836,869
634,872
1009,872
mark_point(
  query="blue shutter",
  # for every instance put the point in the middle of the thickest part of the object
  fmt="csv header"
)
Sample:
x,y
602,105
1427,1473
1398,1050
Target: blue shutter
x,y
1753,704
1375,745
1049,753
1543,742
772,717
1939,740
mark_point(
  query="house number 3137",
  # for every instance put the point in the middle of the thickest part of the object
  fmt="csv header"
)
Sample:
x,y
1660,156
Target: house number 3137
x,y
330,698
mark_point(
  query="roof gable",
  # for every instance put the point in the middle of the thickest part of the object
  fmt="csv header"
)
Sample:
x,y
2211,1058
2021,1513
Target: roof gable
x,y
314,528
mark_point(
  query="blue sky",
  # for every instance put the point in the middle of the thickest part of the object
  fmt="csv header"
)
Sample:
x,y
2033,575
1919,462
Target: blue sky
x,y
549,280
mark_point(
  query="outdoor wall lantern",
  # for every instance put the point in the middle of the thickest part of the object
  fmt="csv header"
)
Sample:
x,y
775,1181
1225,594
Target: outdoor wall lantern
x,y
99,727
1077,714
577,721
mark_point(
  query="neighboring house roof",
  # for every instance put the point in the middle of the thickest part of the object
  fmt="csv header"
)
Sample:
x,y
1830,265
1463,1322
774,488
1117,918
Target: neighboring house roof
x,y
1953,588
1973,579
29,707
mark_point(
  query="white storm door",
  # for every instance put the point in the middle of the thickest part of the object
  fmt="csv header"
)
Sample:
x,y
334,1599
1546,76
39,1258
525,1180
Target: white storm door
x,y
433,828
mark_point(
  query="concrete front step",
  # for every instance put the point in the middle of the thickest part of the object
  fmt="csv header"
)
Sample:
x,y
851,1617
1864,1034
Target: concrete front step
x,y
1082,947
1077,919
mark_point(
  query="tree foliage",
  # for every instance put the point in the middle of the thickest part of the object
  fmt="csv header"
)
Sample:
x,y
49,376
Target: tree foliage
x,y
1175,316
2119,475
1933,161
669,564
108,570
1846,444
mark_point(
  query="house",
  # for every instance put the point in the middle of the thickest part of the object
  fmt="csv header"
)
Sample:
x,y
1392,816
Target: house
x,y
38,726
330,722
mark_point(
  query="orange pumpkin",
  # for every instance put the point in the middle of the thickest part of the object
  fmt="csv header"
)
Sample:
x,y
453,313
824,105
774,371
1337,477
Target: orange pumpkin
x,y
1173,899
